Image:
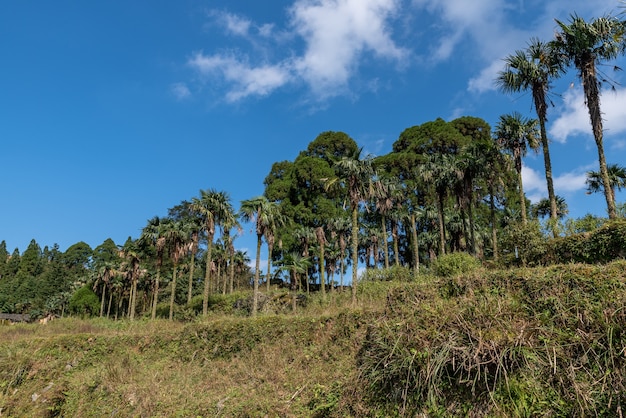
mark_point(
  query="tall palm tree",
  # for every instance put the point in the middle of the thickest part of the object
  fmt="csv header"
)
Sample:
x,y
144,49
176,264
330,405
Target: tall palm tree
x,y
341,228
533,69
355,175
230,222
264,214
586,45
441,171
306,235
617,180
131,268
177,238
384,204
213,207
515,134
320,235
542,208
154,234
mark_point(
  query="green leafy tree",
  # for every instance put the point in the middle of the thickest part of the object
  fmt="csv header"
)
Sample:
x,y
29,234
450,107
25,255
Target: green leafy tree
x,y
587,45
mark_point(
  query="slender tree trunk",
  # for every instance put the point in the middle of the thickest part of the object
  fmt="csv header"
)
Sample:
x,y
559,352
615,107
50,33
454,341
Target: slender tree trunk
x,y
207,276
192,265
269,265
133,300
416,255
592,96
494,233
396,250
385,241
173,295
548,166
155,296
104,289
522,196
255,294
232,271
355,250
110,301
442,228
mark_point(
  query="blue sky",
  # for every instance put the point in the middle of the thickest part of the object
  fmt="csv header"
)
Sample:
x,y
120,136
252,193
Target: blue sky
x,y
111,112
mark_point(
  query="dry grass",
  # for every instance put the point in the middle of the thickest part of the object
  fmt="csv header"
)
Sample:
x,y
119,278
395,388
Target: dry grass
x,y
526,342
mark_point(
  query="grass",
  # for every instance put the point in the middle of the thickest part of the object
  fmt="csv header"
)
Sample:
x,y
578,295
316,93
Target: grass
x,y
521,342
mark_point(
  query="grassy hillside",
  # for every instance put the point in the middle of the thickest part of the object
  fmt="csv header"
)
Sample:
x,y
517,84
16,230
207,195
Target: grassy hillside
x,y
522,342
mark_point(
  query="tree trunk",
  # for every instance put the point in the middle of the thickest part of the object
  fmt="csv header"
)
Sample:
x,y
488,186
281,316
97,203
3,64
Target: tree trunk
x,y
192,265
207,276
592,97
494,234
385,242
355,250
416,258
173,295
255,294
442,228
104,289
155,296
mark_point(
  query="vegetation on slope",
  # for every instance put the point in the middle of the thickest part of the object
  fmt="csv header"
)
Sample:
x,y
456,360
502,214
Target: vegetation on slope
x,y
524,342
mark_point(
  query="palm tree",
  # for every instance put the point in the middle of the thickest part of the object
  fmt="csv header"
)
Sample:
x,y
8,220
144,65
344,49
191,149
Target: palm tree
x,y
441,172
154,234
533,70
586,45
356,176
341,228
306,235
295,264
104,274
617,180
178,241
230,222
384,204
212,207
264,214
320,235
542,208
130,267
515,134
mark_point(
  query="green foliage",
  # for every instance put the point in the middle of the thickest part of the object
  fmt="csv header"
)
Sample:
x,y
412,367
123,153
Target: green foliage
x,y
508,343
84,302
602,245
449,265
523,244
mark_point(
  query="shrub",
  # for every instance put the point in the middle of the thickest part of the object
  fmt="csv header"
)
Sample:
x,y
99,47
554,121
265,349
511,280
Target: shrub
x,y
84,302
523,245
449,265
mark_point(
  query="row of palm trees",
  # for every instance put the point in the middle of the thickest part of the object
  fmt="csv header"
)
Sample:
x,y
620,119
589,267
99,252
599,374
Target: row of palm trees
x,y
585,46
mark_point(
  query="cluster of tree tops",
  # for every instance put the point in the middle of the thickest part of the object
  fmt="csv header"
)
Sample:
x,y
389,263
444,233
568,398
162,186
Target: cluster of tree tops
x,y
444,187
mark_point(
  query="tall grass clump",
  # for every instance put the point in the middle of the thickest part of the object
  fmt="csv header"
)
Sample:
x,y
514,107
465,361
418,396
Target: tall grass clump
x,y
453,264
523,342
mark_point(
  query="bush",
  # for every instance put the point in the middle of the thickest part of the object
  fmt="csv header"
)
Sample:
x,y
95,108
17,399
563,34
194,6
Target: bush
x,y
449,265
602,245
84,302
524,245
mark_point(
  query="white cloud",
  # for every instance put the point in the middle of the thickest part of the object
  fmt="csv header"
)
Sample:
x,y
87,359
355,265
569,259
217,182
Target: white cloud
x,y
246,80
180,91
336,35
535,182
573,117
